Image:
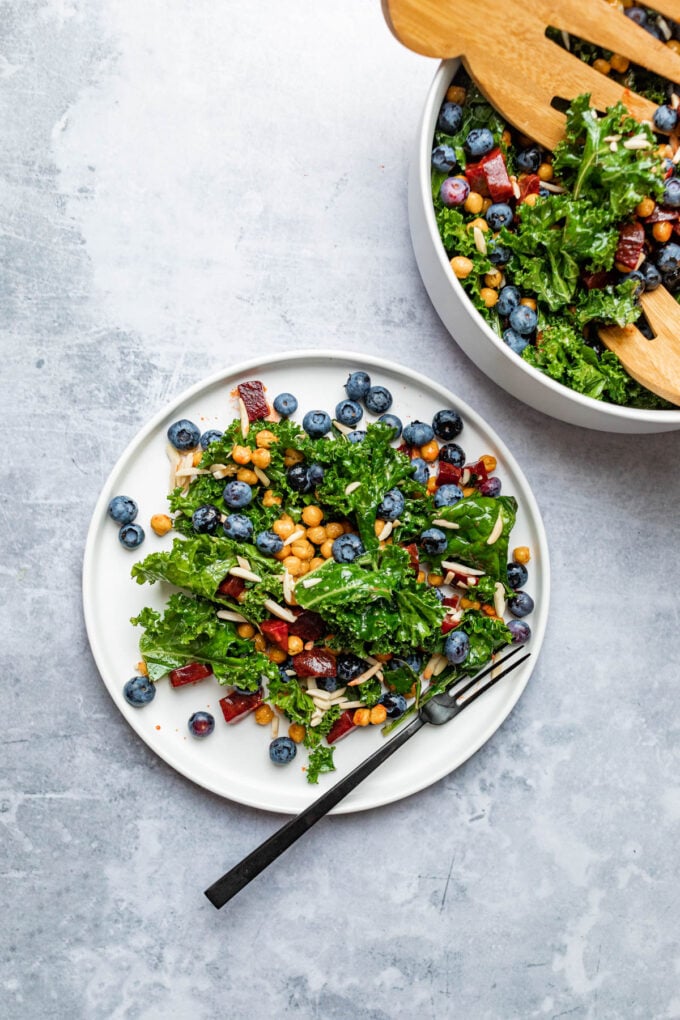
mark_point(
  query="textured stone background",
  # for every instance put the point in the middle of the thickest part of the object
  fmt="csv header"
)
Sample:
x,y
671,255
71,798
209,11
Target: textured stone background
x,y
183,184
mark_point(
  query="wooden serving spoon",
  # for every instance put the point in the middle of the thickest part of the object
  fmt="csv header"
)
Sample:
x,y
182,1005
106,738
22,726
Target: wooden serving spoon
x,y
521,71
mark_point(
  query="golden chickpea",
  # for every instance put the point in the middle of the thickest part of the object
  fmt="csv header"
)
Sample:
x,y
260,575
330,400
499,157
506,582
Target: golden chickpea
x,y
282,553
662,231
297,733
161,524
259,643
270,498
431,484
196,458
377,715
468,490
261,458
245,630
291,457
672,44
430,451
521,554
646,207
317,535
295,645
283,528
361,717
303,549
436,580
241,454
246,475
620,64
462,266
265,439
473,203
421,577
506,137
456,94
530,200
326,549
494,278
489,296
277,655
545,172
378,526
489,462
293,565
264,715
486,204
529,302
312,516
602,65
142,668
316,562
478,222
334,530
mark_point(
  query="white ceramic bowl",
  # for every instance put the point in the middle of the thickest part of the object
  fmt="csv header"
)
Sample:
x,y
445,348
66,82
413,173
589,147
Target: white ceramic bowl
x,y
469,329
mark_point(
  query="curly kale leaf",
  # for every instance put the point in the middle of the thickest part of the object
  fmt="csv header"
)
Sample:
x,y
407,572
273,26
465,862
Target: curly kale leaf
x,y
320,760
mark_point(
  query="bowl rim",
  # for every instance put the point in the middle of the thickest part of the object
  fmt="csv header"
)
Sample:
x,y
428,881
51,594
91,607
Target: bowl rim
x,y
440,83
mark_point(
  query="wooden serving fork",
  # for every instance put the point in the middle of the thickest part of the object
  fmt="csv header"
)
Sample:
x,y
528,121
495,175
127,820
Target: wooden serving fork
x,y
521,71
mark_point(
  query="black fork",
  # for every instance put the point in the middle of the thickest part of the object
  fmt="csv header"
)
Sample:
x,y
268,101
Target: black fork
x,y
436,711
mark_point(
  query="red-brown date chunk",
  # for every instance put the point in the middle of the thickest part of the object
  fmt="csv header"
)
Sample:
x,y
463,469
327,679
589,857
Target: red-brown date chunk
x,y
237,706
315,662
309,626
192,673
631,243
252,395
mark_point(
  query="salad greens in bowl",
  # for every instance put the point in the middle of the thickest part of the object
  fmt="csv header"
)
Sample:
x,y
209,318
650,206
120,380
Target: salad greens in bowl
x,y
338,541
525,253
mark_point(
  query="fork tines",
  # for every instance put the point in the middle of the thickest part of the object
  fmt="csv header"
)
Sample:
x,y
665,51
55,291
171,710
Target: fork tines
x,y
464,696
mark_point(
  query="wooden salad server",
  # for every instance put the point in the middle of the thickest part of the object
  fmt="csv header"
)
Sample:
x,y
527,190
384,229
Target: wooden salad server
x,y
520,71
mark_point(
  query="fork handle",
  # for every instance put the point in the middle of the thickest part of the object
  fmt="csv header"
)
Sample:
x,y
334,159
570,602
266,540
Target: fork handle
x,y
221,891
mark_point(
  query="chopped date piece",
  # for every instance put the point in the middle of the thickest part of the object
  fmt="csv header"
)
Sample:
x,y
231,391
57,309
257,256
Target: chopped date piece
x,y
412,550
474,174
479,471
315,662
631,243
598,280
452,601
490,177
252,395
276,631
192,673
309,626
232,587
341,727
237,706
660,214
448,474
530,184
449,624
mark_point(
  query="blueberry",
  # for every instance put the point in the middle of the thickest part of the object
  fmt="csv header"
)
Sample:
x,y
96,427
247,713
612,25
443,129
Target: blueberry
x,y
316,424
452,453
490,487
479,142
357,436
391,419
636,14
211,436
521,631
350,666
201,724
457,647
269,543
286,670
282,750
285,404
520,604
395,704
447,424
665,119
205,519
529,159
671,193
499,254
651,275
413,659
420,471
517,575
348,412
523,320
357,386
509,297
378,400
447,495
514,341
131,535
438,593
139,691
418,433
297,477
237,494
238,526
444,159
433,541
315,475
499,215
391,506
184,435
450,118
454,191
123,510
327,683
347,547
638,279
668,259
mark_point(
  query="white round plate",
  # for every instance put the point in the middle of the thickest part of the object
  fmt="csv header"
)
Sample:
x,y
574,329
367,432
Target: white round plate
x,y
234,760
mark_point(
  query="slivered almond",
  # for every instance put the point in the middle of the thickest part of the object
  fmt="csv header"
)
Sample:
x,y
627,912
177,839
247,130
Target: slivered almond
x,y
459,568
276,610
499,599
614,146
365,676
429,667
465,477
342,428
275,727
309,582
637,142
261,475
440,666
441,523
243,562
245,575
192,471
663,27
245,421
349,704
220,474
385,531
288,587
480,241
675,100
565,39
557,189
227,614
496,531
293,537
449,577
352,487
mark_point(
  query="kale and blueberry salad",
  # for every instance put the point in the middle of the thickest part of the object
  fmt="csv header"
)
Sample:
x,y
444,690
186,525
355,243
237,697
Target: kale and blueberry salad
x,y
549,246
331,575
